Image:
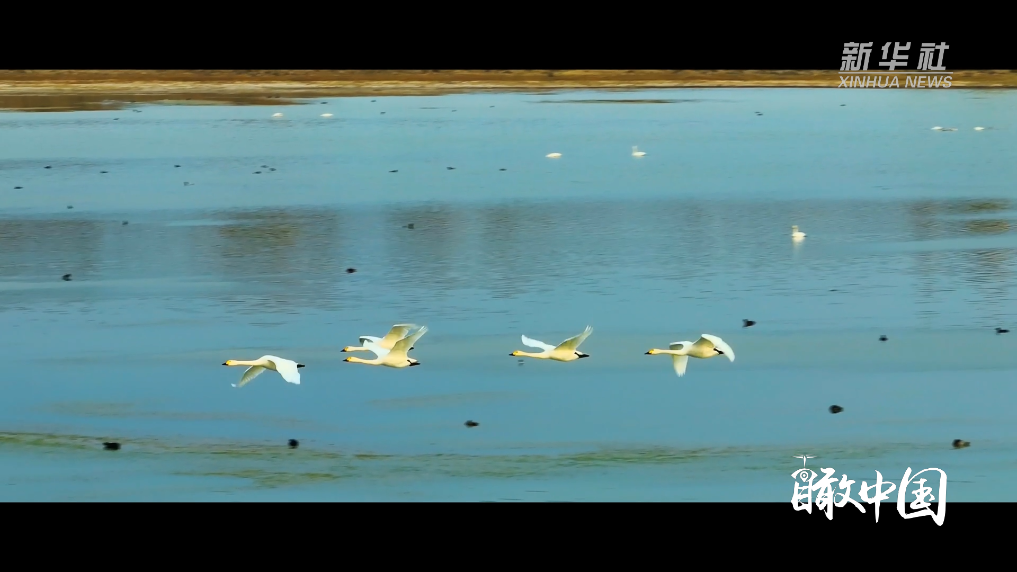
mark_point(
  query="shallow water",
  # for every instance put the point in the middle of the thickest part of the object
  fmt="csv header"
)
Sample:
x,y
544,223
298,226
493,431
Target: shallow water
x,y
909,235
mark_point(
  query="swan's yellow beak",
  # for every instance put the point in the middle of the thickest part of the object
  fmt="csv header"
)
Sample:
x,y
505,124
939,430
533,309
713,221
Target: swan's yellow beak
x,y
515,353
651,352
228,362
347,359
346,349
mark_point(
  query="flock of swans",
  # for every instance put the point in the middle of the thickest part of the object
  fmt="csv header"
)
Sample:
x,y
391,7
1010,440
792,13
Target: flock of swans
x,y
392,349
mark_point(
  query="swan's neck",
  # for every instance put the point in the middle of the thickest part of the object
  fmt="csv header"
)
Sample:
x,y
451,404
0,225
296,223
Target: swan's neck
x,y
352,359
528,354
353,349
669,352
243,362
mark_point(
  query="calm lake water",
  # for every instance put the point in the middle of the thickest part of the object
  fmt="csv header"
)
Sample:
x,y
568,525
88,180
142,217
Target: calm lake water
x,y
910,235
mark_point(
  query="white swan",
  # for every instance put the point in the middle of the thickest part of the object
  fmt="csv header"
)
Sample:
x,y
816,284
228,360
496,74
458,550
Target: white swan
x,y
286,368
326,115
553,155
937,128
277,115
396,357
979,128
565,351
636,152
796,234
397,333
706,347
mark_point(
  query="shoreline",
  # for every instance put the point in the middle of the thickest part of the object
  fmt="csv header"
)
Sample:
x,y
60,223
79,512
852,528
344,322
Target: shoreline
x,y
94,90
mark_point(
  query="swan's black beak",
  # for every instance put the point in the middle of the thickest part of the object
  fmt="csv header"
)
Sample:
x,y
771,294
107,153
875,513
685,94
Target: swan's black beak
x,y
224,363
343,350
414,363
301,365
347,359
718,351
647,354
581,356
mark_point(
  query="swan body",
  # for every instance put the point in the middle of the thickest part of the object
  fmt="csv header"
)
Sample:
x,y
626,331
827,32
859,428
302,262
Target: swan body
x,y
565,351
286,368
637,153
797,234
395,334
277,115
395,357
553,155
326,115
706,347
979,128
937,128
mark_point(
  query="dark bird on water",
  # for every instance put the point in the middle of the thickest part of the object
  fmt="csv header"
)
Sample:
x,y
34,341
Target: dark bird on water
x,y
111,446
451,168
748,323
67,277
264,166
410,226
471,423
124,223
1002,331
70,207
271,169
257,172
883,338
836,409
503,169
394,171
48,167
176,165
351,270
958,444
16,188
294,443
104,172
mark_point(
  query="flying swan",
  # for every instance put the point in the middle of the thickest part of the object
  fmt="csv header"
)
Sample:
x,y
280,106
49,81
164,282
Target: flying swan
x,y
706,347
396,357
565,351
286,368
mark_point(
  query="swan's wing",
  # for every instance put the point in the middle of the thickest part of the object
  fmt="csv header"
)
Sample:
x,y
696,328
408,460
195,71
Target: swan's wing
x,y
397,333
404,345
288,370
676,345
365,339
680,362
251,373
572,343
720,345
536,344
376,349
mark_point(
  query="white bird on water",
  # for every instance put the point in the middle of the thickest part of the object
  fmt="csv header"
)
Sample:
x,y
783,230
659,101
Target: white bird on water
x,y
398,332
286,368
937,128
979,128
636,152
706,347
553,155
565,351
277,115
326,115
396,357
796,234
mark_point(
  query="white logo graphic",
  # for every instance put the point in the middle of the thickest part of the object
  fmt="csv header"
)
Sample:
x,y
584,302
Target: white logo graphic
x,y
873,494
854,66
